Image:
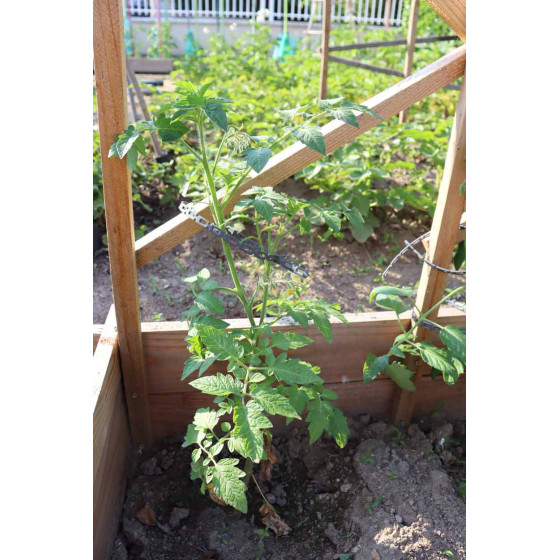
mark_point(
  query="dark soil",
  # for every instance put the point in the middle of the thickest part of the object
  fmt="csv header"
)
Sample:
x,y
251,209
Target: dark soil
x,y
387,495
341,271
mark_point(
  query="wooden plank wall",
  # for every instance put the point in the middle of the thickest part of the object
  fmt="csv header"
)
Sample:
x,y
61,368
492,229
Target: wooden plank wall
x,y
111,441
173,402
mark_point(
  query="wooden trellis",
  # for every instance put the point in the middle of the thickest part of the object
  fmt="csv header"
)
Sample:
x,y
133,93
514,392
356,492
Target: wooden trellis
x,y
137,392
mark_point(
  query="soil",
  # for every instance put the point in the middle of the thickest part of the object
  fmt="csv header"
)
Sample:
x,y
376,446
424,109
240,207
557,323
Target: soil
x,y
340,271
387,495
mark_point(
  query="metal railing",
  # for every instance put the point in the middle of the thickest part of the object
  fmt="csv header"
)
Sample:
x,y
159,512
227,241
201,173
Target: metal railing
x,y
357,11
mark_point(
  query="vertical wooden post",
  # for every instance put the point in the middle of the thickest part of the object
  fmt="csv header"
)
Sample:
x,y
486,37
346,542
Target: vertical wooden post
x,y
387,13
327,10
410,44
443,236
109,57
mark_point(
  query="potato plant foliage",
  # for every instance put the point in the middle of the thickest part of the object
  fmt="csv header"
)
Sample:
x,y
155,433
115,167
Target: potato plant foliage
x,y
257,379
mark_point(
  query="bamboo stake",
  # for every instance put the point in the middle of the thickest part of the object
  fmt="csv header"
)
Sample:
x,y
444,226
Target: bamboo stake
x,y
109,55
327,10
443,237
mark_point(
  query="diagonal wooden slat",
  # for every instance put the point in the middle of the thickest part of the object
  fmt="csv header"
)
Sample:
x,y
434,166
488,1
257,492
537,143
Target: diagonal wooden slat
x,y
297,156
454,13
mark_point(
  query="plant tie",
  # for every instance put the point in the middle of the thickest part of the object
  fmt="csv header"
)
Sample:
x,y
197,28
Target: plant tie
x,y
248,246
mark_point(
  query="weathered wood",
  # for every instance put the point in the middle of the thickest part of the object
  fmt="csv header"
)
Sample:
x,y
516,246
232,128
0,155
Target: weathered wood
x,y
297,156
140,96
152,65
111,441
392,43
410,44
323,79
358,64
109,55
447,217
387,13
96,334
341,361
454,13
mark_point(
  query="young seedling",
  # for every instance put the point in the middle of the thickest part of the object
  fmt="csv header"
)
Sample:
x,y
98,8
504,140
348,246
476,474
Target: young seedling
x,y
256,378
391,475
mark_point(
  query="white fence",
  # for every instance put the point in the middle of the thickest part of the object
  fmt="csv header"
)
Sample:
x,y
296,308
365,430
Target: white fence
x,y
358,11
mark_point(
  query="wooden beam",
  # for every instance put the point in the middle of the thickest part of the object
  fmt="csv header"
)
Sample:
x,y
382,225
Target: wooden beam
x,y
323,79
111,440
297,156
358,64
454,13
96,335
109,55
410,44
140,96
447,217
152,65
392,43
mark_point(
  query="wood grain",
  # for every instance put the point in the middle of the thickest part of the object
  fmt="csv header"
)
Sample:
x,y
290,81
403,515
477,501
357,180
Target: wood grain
x,y
410,45
111,441
297,156
109,55
443,238
96,334
454,13
342,361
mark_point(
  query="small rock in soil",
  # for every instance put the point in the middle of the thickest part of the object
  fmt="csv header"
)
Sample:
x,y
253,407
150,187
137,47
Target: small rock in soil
x,y
442,432
332,533
146,516
119,551
134,533
149,467
398,518
178,515
346,487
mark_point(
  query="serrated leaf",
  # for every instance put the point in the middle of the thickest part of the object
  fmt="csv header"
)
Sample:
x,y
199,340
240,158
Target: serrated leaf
x,y
264,209
294,371
169,131
436,357
228,485
345,115
289,340
322,322
125,141
249,423
218,384
337,427
273,402
209,302
299,316
216,113
362,109
220,343
289,114
210,321
456,341
312,137
257,158
392,302
193,435
401,376
191,365
332,219
375,366
396,351
206,418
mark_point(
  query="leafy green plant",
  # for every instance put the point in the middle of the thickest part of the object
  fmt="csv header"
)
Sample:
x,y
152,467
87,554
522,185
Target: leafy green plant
x,y
450,360
161,45
256,378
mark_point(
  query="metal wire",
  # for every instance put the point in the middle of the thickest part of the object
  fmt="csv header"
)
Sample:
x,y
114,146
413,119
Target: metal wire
x,y
410,246
248,246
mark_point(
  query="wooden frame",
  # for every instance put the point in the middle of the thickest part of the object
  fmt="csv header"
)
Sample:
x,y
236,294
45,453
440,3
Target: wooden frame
x,y
136,388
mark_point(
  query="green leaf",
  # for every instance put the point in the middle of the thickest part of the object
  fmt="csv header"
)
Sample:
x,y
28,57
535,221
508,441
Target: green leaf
x,y
205,418
318,418
345,115
294,371
125,141
393,302
218,384
273,402
194,435
460,256
209,302
131,158
396,351
289,114
436,358
363,109
191,365
390,290
332,219
311,136
216,113
299,316
249,423
401,376
264,209
228,485
337,427
289,340
362,232
220,343
456,341
322,322
257,159
374,366
169,131
328,103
